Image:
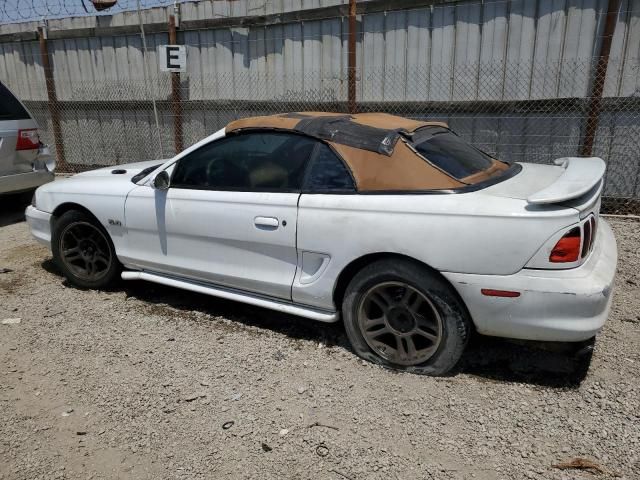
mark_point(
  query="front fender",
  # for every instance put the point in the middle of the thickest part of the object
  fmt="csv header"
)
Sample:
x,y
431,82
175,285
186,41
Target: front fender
x,y
104,198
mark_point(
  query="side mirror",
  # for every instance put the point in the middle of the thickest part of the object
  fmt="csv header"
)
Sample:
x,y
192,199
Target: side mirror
x,y
161,181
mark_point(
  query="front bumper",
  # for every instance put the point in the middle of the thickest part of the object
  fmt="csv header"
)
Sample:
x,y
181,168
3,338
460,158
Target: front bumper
x,y
555,305
40,225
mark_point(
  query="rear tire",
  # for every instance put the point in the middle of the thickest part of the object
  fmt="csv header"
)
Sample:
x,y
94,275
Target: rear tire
x,y
83,250
404,316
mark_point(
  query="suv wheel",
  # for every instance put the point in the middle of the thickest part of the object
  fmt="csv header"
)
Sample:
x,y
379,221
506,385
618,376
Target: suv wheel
x,y
404,316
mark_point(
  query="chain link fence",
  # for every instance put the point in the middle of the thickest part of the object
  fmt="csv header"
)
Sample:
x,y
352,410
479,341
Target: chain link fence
x,y
516,112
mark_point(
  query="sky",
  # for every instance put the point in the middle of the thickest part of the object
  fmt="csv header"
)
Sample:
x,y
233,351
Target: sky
x,y
13,11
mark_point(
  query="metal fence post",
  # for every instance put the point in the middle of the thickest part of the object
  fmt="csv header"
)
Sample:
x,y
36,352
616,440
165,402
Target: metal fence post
x,y
176,100
54,106
351,67
599,77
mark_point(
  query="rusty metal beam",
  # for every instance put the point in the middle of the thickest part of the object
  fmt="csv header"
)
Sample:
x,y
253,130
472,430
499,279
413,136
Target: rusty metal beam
x,y
351,59
176,94
53,105
599,77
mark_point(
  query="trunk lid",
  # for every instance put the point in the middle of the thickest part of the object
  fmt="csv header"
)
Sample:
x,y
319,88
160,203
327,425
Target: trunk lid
x,y
573,182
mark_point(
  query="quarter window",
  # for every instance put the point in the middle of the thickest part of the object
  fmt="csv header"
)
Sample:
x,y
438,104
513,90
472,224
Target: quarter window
x,y
260,161
328,173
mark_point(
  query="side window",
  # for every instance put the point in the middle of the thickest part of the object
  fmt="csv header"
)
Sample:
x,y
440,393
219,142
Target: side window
x,y
260,161
328,173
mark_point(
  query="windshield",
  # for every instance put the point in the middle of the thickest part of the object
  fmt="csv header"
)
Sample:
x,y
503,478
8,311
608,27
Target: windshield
x,y
450,153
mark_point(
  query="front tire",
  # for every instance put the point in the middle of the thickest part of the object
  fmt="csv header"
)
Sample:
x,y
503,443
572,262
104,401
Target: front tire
x,y
404,316
83,250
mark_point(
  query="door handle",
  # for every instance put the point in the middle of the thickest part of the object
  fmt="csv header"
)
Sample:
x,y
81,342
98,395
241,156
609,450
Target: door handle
x,y
270,223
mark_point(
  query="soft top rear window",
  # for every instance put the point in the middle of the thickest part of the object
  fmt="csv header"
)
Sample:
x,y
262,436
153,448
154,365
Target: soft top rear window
x,y
10,107
449,152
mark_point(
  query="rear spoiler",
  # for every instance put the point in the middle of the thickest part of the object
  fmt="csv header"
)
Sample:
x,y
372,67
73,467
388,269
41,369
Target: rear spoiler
x,y
580,175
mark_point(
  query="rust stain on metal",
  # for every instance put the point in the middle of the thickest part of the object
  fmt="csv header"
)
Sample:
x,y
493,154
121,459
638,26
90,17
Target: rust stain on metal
x,y
599,77
176,94
53,105
351,59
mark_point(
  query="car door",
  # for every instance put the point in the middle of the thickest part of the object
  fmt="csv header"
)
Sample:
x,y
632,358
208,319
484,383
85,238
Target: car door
x,y
326,212
229,216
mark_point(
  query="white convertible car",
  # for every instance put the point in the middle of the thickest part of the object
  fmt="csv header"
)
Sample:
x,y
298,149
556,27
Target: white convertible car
x,y
410,235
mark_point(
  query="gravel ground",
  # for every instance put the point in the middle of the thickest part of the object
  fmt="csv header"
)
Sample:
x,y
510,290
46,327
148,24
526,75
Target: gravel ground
x,y
151,382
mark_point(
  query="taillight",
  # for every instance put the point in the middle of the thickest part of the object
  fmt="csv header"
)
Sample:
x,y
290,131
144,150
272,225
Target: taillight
x,y
28,139
568,248
586,245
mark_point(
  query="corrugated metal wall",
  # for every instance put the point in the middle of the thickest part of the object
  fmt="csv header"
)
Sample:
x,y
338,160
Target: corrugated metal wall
x,y
467,51
532,49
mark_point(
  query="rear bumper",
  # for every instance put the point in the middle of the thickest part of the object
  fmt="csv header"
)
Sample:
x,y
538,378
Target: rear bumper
x,y
555,305
40,225
24,181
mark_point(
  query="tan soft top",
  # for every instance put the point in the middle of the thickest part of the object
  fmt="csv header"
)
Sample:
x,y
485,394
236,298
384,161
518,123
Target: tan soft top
x,y
289,121
372,146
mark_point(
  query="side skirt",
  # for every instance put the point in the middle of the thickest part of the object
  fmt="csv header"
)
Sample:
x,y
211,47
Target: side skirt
x,y
235,295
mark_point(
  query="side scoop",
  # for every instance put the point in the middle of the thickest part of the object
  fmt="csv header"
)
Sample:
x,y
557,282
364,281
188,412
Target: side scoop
x,y
580,175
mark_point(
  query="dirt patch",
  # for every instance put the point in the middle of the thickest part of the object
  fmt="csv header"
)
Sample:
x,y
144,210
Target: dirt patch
x,y
20,253
151,382
11,283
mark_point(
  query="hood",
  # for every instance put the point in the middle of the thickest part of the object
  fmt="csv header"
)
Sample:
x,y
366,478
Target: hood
x,y
126,171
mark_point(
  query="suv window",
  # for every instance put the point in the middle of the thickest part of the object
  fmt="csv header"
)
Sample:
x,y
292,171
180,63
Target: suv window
x,y
10,107
328,173
447,151
262,161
